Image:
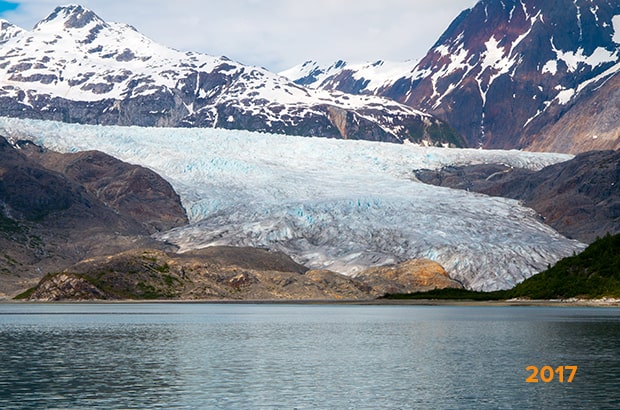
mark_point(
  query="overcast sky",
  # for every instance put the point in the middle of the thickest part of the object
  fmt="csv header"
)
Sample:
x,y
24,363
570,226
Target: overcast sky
x,y
275,34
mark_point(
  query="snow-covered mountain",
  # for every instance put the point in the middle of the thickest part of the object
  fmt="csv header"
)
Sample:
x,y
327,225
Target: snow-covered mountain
x,y
75,67
8,30
540,75
366,78
341,205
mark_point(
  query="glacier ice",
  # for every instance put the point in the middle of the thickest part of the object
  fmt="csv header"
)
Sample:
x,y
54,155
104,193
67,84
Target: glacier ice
x,y
335,204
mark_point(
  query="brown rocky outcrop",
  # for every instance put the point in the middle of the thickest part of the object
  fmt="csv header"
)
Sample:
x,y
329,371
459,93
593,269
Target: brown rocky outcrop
x,y
216,273
57,286
228,273
417,275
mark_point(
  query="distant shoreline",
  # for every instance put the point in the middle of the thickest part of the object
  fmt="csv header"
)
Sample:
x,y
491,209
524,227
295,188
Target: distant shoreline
x,y
605,302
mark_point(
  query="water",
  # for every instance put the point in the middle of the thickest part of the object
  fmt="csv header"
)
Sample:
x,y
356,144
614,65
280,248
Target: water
x,y
245,356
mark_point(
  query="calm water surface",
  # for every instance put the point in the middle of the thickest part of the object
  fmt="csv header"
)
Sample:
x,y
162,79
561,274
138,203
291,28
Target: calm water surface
x,y
304,356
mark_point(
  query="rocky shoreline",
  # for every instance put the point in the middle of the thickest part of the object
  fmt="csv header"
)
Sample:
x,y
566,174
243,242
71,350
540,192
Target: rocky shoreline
x,y
571,302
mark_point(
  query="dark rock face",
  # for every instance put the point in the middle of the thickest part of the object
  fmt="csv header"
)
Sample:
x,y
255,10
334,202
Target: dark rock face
x,y
133,191
31,192
57,209
580,198
505,69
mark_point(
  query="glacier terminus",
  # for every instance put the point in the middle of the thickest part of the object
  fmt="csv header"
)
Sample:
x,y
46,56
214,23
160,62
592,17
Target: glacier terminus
x,y
329,204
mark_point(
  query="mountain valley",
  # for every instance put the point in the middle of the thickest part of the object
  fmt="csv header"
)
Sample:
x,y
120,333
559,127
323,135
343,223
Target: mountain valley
x,y
130,170
361,207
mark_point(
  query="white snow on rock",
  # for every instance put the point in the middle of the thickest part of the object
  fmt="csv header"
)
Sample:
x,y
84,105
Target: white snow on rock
x,y
341,205
615,21
374,75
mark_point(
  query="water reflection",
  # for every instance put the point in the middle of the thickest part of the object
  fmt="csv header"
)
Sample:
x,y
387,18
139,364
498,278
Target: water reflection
x,y
262,356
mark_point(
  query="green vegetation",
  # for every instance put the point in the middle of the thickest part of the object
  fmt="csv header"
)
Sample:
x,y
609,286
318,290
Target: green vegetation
x,y
451,294
35,242
162,268
145,291
594,273
440,132
170,280
116,284
9,225
10,260
25,295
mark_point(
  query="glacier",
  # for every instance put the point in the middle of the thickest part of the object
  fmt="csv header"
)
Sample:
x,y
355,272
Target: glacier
x,y
329,204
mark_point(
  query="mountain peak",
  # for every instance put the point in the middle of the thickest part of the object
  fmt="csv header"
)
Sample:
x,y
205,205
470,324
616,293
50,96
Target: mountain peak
x,y
8,30
71,16
505,70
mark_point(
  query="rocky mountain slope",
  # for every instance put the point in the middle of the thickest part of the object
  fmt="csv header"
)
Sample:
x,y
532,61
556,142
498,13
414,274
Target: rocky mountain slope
x,y
75,67
510,74
49,220
132,191
580,198
229,273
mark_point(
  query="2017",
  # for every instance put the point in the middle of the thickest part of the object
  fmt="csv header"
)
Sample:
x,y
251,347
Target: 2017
x,y
547,374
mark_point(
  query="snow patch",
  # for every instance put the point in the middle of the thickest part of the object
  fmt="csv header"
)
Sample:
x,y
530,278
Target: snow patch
x,y
550,67
565,96
494,56
572,59
375,75
615,21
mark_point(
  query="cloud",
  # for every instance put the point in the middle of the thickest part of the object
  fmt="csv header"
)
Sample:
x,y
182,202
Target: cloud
x,y
278,34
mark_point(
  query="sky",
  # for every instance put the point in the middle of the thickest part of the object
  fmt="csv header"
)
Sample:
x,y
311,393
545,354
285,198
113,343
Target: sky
x,y
275,34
